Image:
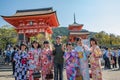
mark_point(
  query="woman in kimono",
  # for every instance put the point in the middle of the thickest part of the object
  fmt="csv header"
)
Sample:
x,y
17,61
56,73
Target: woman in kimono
x,y
83,53
21,66
71,62
46,60
34,59
95,60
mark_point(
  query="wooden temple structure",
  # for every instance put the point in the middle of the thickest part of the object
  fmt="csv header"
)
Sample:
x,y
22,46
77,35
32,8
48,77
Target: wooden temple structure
x,y
75,30
31,22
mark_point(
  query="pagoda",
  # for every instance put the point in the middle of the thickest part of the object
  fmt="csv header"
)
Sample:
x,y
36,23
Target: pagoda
x,y
31,22
75,30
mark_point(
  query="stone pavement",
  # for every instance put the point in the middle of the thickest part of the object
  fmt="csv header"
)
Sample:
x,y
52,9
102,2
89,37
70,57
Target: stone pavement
x,y
6,74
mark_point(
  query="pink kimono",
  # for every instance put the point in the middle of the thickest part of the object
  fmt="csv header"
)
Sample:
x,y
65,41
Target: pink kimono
x,y
34,61
47,62
95,65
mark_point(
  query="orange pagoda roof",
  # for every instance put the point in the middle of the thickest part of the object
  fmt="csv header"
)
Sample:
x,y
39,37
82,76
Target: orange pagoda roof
x,y
75,26
46,15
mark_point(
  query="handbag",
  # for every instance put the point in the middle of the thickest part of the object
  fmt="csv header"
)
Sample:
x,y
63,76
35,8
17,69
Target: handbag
x,y
36,74
112,62
90,73
78,74
79,78
49,75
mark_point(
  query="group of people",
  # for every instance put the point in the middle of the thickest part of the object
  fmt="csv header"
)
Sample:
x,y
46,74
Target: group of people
x,y
46,58
111,57
7,55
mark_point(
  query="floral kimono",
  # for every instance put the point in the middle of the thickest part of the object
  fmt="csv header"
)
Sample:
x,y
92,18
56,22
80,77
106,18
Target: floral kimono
x,y
21,65
71,62
34,61
96,65
47,62
83,53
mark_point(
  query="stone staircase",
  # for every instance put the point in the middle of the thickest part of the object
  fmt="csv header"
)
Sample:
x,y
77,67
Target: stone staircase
x,y
5,67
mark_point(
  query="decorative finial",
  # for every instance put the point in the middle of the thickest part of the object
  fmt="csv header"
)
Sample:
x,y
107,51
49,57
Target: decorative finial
x,y
74,19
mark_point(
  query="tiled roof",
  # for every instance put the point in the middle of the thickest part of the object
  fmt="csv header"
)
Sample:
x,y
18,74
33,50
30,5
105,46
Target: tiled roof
x,y
76,24
83,30
33,11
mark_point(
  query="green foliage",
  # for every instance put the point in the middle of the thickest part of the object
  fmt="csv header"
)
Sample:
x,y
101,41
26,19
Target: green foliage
x,y
7,35
108,40
40,38
62,31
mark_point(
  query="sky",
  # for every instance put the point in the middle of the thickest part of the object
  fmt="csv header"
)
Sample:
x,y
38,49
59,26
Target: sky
x,y
96,15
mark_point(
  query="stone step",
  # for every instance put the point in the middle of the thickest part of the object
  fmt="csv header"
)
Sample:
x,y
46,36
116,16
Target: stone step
x,y
5,67
1,70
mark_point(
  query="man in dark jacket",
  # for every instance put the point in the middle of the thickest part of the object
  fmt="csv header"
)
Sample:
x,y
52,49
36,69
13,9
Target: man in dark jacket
x,y
58,53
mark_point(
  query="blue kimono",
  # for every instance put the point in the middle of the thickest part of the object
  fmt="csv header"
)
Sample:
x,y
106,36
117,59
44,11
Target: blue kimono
x,y
21,65
83,53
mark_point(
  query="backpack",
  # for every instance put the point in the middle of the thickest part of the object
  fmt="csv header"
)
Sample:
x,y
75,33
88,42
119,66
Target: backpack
x,y
104,56
8,53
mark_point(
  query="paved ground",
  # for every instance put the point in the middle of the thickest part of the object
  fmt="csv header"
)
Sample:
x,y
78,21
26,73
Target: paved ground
x,y
6,74
111,74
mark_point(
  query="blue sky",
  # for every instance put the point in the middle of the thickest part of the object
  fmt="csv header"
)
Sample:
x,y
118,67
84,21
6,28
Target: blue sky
x,y
96,15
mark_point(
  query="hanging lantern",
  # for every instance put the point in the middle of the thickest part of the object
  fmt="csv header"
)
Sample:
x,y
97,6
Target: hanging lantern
x,y
49,30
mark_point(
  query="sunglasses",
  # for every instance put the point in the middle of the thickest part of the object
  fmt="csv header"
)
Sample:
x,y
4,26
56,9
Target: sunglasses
x,y
78,39
69,44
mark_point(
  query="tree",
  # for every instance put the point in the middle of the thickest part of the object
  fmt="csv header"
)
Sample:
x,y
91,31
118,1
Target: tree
x,y
62,31
104,39
7,36
40,38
